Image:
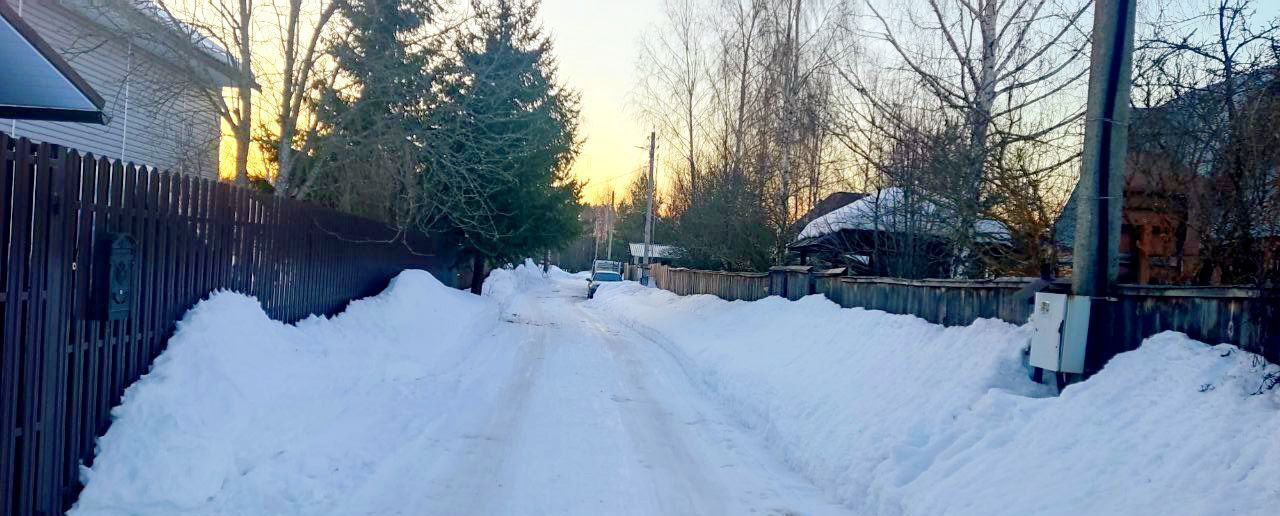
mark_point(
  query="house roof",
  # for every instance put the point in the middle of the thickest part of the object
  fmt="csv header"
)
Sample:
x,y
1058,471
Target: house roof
x,y
892,210
827,205
38,84
656,250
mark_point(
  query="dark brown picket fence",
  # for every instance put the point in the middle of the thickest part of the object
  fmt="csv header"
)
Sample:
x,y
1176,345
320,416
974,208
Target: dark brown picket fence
x,y
63,364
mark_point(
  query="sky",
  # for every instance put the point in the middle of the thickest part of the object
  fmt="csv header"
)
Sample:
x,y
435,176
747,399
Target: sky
x,y
596,43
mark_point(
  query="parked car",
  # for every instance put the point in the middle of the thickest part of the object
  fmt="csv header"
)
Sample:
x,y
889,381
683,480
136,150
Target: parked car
x,y
603,271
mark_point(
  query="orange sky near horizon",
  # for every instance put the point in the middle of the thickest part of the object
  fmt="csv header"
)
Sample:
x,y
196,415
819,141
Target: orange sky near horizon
x,y
596,43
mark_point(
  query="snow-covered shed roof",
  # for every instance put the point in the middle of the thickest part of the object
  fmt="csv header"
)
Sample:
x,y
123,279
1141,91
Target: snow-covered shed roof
x,y
890,210
656,250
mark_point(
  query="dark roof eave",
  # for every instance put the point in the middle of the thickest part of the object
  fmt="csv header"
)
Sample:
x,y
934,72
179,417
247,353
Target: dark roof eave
x,y
53,114
61,65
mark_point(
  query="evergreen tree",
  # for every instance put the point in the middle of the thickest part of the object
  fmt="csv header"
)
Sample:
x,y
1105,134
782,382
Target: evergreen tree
x,y
502,143
372,115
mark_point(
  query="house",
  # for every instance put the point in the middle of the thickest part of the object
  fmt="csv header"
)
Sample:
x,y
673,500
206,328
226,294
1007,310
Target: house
x,y
157,111
892,232
1159,231
1173,149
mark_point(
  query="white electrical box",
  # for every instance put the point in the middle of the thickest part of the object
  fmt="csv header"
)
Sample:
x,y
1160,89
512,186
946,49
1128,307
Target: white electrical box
x,y
1060,329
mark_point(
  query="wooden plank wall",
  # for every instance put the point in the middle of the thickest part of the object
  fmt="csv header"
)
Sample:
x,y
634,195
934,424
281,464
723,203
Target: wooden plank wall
x,y
732,286
945,302
1246,317
62,369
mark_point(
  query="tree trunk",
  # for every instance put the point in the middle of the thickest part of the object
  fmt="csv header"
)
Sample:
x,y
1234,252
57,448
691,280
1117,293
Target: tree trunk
x,y
243,135
284,159
243,141
979,120
477,274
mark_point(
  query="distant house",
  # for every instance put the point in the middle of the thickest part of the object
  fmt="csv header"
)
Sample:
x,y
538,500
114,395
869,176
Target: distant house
x,y
1172,149
892,232
156,113
828,204
658,253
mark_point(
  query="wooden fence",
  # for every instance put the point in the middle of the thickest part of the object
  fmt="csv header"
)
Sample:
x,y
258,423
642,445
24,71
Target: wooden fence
x,y
733,286
1248,318
63,366
945,302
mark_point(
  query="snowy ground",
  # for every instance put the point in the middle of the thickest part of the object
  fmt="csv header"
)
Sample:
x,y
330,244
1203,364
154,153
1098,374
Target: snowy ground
x,y
532,400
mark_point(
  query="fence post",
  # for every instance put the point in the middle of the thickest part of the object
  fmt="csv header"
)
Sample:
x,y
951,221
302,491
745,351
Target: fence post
x,y
778,281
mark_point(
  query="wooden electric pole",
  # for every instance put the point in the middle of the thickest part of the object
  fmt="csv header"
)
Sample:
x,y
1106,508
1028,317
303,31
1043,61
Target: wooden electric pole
x,y
648,214
609,226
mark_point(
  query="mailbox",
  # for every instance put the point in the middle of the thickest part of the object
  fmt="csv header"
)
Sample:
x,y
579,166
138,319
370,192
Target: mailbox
x,y
113,284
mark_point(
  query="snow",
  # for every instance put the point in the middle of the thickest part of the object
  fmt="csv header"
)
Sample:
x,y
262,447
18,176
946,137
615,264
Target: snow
x,y
532,400
426,400
883,211
894,415
245,415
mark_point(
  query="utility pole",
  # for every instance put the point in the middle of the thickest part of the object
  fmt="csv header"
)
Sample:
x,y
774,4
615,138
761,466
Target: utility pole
x,y
609,249
1099,199
648,215
1100,194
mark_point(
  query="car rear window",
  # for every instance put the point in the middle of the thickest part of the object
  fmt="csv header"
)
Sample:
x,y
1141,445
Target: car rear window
x,y
608,276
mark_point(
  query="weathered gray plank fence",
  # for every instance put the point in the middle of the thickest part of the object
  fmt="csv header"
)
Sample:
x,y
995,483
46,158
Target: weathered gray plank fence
x,y
745,286
945,302
1246,317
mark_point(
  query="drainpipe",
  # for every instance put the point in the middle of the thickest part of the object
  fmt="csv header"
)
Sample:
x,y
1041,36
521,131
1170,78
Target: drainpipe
x,y
128,77
13,127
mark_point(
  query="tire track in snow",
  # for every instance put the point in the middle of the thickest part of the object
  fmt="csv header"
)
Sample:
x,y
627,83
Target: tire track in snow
x,y
589,418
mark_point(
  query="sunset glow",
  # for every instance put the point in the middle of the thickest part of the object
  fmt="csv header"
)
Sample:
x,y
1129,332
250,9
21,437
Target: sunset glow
x,y
595,44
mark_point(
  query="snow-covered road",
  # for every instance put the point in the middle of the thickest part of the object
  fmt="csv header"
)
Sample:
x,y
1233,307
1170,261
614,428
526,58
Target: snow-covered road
x,y
532,400
593,419
427,400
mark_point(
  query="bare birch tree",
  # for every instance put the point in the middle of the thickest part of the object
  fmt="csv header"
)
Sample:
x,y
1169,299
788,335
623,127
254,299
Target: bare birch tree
x,y
303,26
229,25
1206,82
1007,70
673,89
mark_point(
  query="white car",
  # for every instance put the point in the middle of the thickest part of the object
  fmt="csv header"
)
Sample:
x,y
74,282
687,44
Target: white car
x,y
603,272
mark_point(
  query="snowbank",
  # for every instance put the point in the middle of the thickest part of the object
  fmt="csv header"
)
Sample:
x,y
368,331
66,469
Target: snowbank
x,y
503,284
888,414
893,415
244,415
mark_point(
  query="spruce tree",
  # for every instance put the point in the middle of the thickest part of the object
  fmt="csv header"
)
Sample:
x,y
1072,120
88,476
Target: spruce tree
x,y
502,143
373,115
